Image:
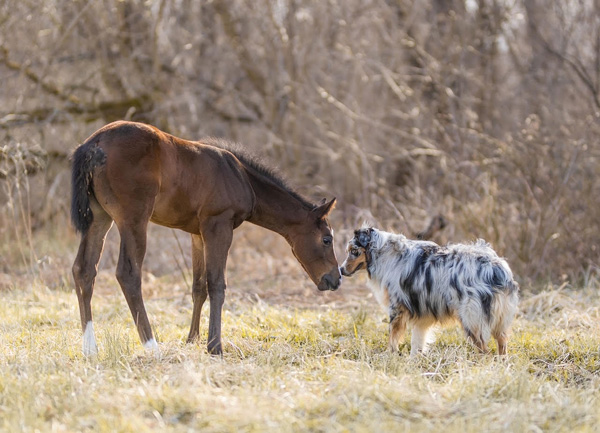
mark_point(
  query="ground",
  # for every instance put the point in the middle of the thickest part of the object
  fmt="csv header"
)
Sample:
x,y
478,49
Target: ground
x,y
294,359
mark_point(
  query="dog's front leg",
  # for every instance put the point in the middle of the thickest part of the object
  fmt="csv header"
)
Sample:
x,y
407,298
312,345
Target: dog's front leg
x,y
398,322
422,335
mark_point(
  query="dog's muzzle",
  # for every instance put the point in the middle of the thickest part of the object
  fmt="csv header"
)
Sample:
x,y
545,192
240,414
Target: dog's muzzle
x,y
345,272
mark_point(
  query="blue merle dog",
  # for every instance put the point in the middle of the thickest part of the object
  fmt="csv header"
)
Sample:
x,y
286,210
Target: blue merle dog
x,y
421,284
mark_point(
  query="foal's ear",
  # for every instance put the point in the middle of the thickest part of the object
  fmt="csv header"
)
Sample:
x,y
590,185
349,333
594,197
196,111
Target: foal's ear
x,y
324,208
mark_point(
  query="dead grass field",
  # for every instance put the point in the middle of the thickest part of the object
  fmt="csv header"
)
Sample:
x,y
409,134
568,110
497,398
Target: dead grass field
x,y
295,359
484,112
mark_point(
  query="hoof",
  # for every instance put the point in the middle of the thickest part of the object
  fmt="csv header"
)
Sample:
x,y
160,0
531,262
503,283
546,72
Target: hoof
x,y
151,347
215,349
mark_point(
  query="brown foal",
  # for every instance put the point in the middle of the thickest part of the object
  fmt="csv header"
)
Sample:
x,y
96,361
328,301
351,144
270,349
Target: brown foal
x,y
131,173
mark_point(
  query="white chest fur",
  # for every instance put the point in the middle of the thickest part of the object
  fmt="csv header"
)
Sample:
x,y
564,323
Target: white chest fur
x,y
381,294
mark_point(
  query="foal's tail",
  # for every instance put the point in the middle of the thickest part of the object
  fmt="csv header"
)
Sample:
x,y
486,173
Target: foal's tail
x,y
85,158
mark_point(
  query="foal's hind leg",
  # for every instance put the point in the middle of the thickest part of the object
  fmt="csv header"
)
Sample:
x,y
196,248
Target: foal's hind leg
x,y
85,269
129,275
199,287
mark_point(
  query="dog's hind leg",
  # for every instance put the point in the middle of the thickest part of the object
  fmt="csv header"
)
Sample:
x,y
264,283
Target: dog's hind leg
x,y
481,345
505,308
502,340
398,322
475,321
500,333
477,339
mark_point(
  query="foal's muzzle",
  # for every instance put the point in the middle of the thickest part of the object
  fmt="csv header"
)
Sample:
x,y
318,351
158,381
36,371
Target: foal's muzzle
x,y
329,283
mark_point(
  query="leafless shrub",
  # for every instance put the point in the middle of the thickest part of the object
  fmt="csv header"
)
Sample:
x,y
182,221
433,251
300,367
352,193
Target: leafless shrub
x,y
483,111
16,164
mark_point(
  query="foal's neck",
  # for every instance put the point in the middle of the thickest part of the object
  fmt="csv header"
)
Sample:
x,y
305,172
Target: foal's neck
x,y
277,208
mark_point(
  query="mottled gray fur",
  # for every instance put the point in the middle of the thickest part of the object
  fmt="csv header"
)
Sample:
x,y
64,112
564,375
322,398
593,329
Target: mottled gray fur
x,y
420,283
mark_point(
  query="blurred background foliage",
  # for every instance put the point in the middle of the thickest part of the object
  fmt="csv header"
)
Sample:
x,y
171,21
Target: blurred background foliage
x,y
486,112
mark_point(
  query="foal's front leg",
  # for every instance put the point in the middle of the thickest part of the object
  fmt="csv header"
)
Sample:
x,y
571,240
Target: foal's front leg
x,y
217,234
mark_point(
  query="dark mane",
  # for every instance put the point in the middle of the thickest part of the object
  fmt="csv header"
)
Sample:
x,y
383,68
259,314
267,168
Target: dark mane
x,y
257,164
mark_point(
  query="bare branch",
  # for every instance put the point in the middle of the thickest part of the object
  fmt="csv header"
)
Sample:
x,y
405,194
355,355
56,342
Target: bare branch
x,y
246,61
29,73
574,64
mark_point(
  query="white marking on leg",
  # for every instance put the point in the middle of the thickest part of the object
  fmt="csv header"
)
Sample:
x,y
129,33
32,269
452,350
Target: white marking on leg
x,y
420,339
152,347
89,347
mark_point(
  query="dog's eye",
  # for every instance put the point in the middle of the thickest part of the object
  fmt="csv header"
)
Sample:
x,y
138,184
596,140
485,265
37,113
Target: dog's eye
x,y
327,240
355,252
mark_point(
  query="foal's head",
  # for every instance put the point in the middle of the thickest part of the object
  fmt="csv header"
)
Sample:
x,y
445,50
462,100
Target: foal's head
x,y
312,244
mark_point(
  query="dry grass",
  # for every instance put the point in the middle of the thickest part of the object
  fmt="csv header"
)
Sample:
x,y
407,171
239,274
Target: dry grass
x,y
295,360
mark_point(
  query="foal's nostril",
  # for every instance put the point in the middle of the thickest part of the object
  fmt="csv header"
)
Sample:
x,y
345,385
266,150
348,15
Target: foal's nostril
x,y
337,284
332,282
328,281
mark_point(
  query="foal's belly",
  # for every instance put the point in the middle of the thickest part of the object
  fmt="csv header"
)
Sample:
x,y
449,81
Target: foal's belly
x,y
188,210
175,209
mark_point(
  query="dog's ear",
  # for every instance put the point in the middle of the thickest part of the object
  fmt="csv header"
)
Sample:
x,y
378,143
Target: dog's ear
x,y
363,237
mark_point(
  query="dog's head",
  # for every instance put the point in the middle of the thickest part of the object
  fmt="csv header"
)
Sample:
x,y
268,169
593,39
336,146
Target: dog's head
x,y
358,250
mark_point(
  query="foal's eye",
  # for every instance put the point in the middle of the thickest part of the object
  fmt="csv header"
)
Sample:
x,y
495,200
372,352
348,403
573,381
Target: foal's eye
x,y
327,240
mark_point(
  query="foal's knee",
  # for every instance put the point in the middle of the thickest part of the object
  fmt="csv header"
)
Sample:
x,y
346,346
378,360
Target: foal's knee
x,y
216,287
216,293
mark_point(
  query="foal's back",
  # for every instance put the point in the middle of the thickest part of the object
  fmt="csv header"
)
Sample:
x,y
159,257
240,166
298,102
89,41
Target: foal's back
x,y
178,182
